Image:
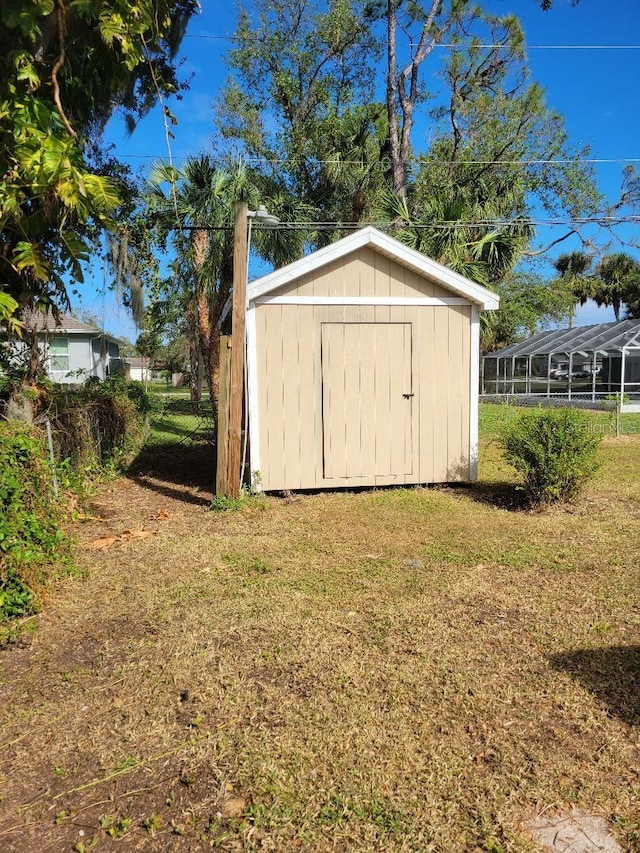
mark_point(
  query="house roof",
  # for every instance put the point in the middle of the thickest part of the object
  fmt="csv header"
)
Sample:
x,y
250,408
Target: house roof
x,y
603,337
67,325
137,362
386,245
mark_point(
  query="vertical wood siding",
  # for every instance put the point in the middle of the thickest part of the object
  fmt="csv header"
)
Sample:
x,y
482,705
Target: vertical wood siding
x,y
431,447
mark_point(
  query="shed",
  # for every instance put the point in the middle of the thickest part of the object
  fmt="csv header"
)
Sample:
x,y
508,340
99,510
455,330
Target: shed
x,y
362,364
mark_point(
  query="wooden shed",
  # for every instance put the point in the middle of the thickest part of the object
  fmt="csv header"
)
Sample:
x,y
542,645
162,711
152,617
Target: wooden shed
x,y
362,364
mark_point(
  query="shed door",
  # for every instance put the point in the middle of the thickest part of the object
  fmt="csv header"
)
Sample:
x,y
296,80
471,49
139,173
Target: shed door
x,y
367,399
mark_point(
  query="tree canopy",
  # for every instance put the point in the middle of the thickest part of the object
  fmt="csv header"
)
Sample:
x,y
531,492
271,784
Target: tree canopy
x,y
65,67
302,103
617,278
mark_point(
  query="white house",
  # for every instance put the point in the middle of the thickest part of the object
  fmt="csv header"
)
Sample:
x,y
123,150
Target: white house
x,y
72,350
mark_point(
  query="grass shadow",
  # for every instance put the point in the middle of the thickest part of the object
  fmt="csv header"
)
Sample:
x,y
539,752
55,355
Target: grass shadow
x,y
611,674
182,472
498,494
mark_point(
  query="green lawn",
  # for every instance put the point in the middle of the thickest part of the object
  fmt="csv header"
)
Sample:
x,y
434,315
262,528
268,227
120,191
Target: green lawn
x,y
494,415
174,422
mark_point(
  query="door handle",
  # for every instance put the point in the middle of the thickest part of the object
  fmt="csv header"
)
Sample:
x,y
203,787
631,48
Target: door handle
x,y
407,396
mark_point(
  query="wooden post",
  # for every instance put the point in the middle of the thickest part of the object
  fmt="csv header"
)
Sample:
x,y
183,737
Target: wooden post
x,y
232,485
223,415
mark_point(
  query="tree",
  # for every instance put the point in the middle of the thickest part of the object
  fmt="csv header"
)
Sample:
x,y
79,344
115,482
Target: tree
x,y
492,133
528,303
193,206
495,140
300,99
65,66
127,349
187,203
175,355
616,279
573,268
449,227
424,28
545,5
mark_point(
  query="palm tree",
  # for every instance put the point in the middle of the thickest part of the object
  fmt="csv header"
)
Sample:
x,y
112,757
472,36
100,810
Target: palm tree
x,y
632,296
356,170
195,204
468,237
573,268
615,274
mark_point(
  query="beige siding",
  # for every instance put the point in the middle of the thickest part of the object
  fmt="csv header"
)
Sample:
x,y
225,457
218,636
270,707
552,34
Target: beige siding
x,y
363,273
429,445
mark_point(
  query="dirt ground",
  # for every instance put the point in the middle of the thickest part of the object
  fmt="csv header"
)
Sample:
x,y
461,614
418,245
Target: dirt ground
x,y
287,677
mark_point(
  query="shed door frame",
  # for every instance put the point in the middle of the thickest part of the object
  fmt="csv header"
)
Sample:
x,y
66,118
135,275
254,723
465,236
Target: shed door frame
x,y
367,399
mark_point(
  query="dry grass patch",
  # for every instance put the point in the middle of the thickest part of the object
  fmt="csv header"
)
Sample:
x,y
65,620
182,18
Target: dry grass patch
x,y
418,669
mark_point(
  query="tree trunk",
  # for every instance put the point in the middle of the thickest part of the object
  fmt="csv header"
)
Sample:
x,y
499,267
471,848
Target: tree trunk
x,y
402,90
210,352
194,359
397,170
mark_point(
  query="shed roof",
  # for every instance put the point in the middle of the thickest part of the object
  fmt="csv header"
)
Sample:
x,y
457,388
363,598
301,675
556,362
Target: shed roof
x,y
386,245
603,337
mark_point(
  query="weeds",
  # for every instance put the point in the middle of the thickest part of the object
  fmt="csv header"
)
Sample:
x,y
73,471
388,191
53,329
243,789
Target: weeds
x,y
222,503
152,823
395,670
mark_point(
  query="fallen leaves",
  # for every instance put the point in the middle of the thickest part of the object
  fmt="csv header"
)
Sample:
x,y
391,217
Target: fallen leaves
x,y
160,515
233,808
103,543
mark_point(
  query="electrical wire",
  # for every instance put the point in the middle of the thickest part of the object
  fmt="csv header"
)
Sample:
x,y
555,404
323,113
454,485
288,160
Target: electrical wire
x,y
603,221
458,45
560,161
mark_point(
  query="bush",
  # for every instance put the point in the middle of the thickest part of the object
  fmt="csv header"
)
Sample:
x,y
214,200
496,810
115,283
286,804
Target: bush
x,y
31,541
102,424
554,450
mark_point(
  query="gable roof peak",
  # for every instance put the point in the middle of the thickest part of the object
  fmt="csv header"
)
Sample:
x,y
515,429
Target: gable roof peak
x,y
387,245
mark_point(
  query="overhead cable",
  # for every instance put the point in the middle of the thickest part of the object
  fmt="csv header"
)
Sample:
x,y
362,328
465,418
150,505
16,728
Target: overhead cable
x,y
560,161
604,221
460,45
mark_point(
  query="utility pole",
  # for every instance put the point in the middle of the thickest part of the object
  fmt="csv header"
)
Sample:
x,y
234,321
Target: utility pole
x,y
234,434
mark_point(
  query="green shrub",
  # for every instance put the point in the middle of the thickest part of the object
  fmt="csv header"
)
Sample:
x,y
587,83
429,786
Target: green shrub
x,y
554,450
31,541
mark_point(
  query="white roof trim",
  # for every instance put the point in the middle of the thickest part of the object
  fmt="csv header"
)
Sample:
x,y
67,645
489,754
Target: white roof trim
x,y
389,246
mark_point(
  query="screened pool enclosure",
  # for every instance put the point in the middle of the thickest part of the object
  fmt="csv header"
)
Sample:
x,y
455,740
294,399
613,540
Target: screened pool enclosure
x,y
586,362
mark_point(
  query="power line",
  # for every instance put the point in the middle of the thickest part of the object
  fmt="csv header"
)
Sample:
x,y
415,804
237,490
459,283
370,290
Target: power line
x,y
461,46
532,162
604,221
544,46
559,161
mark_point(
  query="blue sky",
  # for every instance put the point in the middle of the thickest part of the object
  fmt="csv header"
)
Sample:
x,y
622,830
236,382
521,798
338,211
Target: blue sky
x,y
595,89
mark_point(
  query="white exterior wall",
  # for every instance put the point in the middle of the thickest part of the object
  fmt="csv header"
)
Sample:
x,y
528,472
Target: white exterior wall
x,y
85,359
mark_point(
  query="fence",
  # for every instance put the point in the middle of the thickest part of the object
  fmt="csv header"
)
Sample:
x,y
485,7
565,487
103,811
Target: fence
x,y
613,418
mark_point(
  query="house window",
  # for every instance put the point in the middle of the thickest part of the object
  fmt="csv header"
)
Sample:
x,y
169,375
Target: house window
x,y
59,354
